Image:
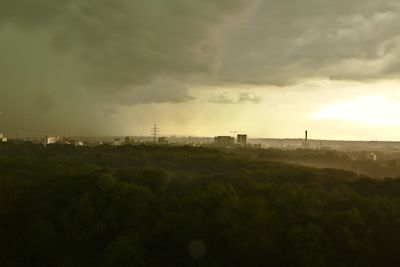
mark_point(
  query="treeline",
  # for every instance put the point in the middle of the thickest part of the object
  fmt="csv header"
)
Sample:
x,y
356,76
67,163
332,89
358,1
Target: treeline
x,y
387,165
183,206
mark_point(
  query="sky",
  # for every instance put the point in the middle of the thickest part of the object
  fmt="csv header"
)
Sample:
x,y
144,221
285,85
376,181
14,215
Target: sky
x,y
268,68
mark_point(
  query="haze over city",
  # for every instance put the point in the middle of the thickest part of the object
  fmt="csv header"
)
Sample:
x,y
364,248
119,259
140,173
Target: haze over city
x,y
265,67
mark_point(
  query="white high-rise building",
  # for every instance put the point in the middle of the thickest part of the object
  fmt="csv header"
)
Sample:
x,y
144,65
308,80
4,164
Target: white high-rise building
x,y
51,140
3,138
242,139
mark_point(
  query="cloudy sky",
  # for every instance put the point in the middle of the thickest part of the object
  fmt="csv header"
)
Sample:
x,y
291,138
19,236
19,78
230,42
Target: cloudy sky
x,y
269,68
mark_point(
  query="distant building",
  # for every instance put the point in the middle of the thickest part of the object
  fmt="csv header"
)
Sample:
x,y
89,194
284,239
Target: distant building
x,y
162,140
79,143
3,138
257,146
51,140
371,156
224,140
242,139
127,140
116,142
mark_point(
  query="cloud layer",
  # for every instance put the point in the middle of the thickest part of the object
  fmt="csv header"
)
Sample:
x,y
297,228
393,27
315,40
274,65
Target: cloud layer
x,y
128,45
110,53
226,98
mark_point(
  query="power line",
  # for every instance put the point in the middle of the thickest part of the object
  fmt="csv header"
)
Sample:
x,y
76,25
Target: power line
x,y
155,131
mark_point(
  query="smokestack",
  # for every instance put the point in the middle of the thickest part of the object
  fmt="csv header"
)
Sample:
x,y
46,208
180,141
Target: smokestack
x,y
306,137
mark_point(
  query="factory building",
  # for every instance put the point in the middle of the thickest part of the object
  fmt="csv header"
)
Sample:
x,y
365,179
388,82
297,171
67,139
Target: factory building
x,y
162,141
305,143
224,140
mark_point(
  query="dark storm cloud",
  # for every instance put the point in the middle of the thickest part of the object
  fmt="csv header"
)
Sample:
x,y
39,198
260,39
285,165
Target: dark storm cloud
x,y
286,41
128,45
125,45
161,89
64,59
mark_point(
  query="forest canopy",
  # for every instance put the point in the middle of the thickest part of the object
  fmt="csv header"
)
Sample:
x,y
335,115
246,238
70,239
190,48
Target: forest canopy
x,y
185,206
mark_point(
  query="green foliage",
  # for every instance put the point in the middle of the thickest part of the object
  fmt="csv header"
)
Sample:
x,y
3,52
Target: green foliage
x,y
183,206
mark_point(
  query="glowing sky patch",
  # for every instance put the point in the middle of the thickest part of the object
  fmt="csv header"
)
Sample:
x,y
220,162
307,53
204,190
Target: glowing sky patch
x,y
372,110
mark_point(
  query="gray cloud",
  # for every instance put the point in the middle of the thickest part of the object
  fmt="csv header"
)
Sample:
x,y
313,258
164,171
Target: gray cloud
x,y
221,99
124,45
128,45
287,41
62,61
226,98
161,89
109,111
246,97
70,58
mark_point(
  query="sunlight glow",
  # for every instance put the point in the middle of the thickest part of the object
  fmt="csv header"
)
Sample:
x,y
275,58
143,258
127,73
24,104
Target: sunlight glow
x,y
373,110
